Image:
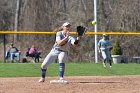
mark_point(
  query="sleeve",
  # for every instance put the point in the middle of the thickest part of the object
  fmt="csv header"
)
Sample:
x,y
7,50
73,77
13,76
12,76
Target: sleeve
x,y
58,36
36,49
8,50
16,49
99,43
7,55
72,39
110,44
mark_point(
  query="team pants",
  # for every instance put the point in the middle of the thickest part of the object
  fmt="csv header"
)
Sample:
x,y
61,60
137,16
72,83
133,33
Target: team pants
x,y
12,55
106,55
51,57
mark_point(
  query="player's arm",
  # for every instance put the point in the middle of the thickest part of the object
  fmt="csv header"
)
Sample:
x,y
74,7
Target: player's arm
x,y
75,42
99,46
60,41
110,46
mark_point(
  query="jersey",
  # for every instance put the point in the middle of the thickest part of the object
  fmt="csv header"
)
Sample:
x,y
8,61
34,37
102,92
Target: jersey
x,y
103,44
13,50
59,36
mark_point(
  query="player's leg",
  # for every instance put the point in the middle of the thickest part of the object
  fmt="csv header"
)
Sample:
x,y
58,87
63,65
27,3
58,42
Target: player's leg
x,y
110,62
36,54
48,60
104,58
109,58
61,58
18,57
12,57
104,62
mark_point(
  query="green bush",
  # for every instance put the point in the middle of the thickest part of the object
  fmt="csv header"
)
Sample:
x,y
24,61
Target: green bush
x,y
116,49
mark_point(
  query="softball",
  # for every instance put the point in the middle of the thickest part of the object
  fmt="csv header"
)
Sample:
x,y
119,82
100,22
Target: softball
x,y
93,22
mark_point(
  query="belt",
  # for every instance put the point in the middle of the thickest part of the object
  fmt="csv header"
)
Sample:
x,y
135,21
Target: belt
x,y
61,50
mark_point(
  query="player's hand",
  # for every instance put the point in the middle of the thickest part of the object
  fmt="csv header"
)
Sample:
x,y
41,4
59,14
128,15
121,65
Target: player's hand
x,y
78,38
110,47
99,51
67,36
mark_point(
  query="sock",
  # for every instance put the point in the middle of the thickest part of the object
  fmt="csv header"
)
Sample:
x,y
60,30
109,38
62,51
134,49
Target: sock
x,y
110,62
61,69
43,73
104,61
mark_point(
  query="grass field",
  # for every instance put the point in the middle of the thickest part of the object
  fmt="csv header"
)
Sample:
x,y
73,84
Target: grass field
x,y
72,69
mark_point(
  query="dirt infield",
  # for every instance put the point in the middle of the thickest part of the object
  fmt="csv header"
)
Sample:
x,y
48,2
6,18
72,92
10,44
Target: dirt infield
x,y
82,84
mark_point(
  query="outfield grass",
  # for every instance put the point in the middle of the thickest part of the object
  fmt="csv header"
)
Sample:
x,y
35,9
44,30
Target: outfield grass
x,y
72,69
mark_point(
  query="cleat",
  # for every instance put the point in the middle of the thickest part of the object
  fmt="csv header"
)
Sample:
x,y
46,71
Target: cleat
x,y
61,78
104,65
41,80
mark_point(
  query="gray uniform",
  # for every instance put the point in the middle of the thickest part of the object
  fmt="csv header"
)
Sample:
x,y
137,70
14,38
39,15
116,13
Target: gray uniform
x,y
103,45
60,52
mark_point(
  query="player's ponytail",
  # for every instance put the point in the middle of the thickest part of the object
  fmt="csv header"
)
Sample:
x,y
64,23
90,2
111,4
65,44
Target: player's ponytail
x,y
58,29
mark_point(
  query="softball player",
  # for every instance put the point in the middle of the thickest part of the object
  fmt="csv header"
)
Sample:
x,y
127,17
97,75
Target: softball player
x,y
59,50
103,46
